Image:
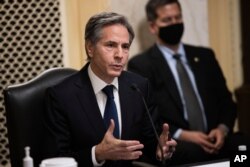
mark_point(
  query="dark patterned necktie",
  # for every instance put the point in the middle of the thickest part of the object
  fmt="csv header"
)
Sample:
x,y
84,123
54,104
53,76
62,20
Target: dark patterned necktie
x,y
193,107
110,111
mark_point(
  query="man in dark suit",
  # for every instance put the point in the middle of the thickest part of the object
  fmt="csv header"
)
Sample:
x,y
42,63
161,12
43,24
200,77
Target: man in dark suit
x,y
94,115
189,88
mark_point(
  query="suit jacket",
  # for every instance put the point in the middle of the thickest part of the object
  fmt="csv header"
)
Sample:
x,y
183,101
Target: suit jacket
x,y
75,125
216,98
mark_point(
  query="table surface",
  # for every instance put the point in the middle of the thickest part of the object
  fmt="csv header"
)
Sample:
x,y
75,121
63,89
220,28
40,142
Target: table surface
x,y
215,163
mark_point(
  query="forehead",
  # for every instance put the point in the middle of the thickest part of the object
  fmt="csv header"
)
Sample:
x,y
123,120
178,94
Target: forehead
x,y
168,10
115,32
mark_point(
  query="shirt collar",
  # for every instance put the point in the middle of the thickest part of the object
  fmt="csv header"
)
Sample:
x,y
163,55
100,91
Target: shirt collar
x,y
168,53
99,84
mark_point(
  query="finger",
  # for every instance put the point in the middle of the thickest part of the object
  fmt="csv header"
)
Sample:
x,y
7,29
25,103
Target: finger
x,y
208,150
128,143
165,129
131,155
218,145
130,149
204,136
170,146
208,145
168,149
211,136
166,154
206,142
111,127
164,134
134,147
172,143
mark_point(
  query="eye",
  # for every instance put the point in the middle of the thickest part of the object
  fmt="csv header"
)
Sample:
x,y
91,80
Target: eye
x,y
126,46
111,45
179,17
167,20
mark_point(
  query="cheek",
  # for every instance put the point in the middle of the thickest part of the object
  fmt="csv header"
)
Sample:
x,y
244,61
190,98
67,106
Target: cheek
x,y
126,56
154,29
106,53
98,60
100,55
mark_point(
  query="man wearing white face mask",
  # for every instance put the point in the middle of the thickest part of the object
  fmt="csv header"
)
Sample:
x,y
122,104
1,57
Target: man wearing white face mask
x,y
189,88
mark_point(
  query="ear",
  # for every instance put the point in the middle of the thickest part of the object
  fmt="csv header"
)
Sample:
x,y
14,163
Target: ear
x,y
153,28
89,48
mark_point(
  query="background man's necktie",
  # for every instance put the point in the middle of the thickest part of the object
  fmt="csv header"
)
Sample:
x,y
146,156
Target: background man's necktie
x,y
110,111
194,111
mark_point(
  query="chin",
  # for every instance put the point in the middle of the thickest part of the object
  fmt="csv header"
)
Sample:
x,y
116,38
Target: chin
x,y
116,73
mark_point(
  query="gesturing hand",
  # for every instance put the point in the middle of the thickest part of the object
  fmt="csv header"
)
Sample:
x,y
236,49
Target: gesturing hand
x,y
168,145
111,148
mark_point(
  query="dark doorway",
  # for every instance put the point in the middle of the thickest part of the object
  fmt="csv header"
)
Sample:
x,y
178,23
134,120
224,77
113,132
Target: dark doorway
x,y
243,94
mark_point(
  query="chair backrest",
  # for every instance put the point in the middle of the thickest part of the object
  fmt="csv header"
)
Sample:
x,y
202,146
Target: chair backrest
x,y
24,105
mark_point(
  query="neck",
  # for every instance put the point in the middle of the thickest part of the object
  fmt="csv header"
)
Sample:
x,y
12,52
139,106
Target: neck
x,y
98,73
174,48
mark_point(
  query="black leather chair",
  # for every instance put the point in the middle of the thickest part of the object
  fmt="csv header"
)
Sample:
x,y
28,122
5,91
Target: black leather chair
x,y
24,105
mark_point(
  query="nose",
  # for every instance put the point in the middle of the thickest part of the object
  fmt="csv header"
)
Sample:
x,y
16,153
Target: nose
x,y
175,21
119,52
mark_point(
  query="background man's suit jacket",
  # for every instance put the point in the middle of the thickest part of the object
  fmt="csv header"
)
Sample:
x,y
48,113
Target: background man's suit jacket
x,y
75,124
216,99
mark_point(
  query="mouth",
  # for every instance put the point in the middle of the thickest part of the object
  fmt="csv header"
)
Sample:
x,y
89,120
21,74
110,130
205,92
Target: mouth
x,y
117,66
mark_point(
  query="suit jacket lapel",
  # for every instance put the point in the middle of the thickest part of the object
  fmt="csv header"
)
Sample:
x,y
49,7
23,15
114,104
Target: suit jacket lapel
x,y
126,105
166,75
88,102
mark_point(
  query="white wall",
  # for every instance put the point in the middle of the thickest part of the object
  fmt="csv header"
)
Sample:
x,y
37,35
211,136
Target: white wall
x,y
195,19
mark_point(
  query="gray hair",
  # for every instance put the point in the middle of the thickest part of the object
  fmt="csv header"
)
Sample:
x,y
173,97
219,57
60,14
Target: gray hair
x,y
97,22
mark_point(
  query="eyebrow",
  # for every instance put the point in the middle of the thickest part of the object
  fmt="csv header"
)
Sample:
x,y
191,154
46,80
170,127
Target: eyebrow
x,y
114,42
